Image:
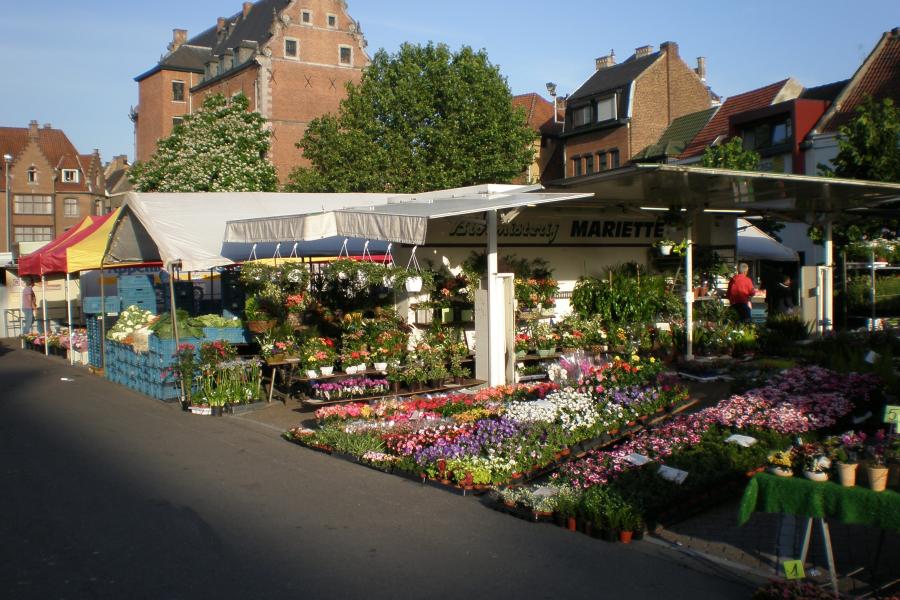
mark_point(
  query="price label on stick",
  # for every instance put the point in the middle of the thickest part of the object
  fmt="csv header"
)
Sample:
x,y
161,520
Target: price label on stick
x,y
793,569
892,415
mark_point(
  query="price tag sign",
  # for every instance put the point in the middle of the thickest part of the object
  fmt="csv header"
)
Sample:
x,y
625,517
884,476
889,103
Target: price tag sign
x,y
637,459
892,415
741,440
676,476
793,569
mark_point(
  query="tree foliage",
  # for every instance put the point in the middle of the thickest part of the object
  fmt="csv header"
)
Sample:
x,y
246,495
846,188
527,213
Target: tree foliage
x,y
868,148
869,145
731,155
424,118
220,148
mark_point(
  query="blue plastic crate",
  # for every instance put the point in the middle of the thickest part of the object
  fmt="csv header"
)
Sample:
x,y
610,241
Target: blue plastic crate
x,y
92,305
233,335
135,281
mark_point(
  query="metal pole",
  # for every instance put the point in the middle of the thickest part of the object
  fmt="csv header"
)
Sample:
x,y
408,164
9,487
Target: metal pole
x,y
69,318
172,304
844,288
102,322
874,297
44,311
689,290
494,305
828,299
7,158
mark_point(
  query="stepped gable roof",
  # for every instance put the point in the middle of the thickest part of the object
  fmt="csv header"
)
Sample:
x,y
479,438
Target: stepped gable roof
x,y
54,145
718,125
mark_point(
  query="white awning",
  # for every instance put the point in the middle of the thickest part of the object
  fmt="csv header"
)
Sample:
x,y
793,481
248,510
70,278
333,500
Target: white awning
x,y
754,244
402,219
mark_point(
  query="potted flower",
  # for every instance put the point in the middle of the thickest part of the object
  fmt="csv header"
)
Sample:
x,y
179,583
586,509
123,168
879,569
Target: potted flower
x,y
781,463
877,470
815,462
295,304
845,455
668,247
258,320
318,353
523,343
546,340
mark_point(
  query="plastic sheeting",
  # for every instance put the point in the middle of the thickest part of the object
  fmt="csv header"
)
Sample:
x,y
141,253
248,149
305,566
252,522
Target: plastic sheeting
x,y
755,244
33,264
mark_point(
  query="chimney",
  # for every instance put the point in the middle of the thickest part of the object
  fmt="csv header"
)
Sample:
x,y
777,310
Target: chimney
x,y
220,24
48,126
179,37
643,51
33,129
701,68
605,61
669,47
246,8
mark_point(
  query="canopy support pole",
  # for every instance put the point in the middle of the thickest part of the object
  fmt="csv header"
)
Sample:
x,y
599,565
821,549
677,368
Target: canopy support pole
x,y
496,372
69,319
44,313
102,321
828,292
689,290
873,290
173,312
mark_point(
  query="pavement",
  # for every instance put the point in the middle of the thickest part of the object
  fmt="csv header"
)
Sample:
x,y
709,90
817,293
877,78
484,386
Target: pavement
x,y
105,493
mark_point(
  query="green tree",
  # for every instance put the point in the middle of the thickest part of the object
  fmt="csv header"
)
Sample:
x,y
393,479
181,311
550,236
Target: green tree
x,y
868,148
731,156
424,118
220,148
869,145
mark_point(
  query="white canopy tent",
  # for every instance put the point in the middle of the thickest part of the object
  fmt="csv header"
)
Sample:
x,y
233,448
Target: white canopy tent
x,y
755,244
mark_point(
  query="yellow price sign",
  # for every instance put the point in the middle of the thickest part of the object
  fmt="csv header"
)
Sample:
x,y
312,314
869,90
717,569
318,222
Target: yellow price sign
x,y
793,569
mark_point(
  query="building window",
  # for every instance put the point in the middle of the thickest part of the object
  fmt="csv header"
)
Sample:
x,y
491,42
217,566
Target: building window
x,y
176,121
305,17
177,91
32,175
581,116
70,207
70,175
291,48
332,21
346,55
576,166
33,205
602,165
606,109
33,234
588,164
766,135
613,159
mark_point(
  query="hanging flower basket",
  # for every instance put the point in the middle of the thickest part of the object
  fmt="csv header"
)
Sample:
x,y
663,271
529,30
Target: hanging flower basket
x,y
414,284
665,250
260,326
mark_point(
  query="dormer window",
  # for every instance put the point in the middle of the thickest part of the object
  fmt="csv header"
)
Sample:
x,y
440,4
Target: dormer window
x,y
32,174
70,175
581,116
606,109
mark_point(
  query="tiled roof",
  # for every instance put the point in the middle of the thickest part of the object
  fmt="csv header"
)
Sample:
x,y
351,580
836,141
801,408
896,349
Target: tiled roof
x,y
612,78
539,113
829,91
718,125
53,143
191,58
677,135
878,76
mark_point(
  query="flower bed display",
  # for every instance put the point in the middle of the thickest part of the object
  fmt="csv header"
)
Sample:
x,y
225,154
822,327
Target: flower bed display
x,y
671,470
497,435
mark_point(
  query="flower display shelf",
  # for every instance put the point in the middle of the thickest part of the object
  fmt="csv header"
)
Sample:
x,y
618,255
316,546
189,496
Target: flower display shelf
x,y
401,394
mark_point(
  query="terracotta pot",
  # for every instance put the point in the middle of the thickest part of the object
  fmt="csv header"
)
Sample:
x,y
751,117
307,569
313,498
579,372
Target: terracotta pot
x,y
565,452
625,536
260,326
847,474
571,524
877,478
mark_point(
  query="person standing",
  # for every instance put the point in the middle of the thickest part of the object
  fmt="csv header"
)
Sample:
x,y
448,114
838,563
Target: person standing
x,y
29,305
740,290
783,301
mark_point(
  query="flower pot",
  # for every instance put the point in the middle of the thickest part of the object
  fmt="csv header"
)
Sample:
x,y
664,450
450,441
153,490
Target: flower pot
x,y
571,524
311,374
350,370
361,367
521,353
813,476
260,326
327,370
414,284
446,315
877,478
625,536
546,352
395,387
665,250
276,358
467,315
781,471
847,474
381,366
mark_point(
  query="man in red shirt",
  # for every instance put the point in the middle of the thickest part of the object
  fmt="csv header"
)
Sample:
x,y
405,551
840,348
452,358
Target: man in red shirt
x,y
740,290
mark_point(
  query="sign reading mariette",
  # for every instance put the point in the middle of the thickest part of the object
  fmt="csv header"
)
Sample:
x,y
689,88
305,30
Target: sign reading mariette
x,y
539,231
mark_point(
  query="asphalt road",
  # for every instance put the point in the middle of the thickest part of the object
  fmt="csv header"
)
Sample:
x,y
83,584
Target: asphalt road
x,y
105,493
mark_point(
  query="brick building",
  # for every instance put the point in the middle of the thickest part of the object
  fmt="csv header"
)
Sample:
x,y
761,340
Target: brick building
x,y
291,58
623,108
547,164
52,186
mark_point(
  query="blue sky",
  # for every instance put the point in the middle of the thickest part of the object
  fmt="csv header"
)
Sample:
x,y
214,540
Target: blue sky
x,y
72,63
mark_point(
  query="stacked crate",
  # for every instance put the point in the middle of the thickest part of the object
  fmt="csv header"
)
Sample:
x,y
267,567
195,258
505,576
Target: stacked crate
x,y
95,330
137,290
94,305
149,373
